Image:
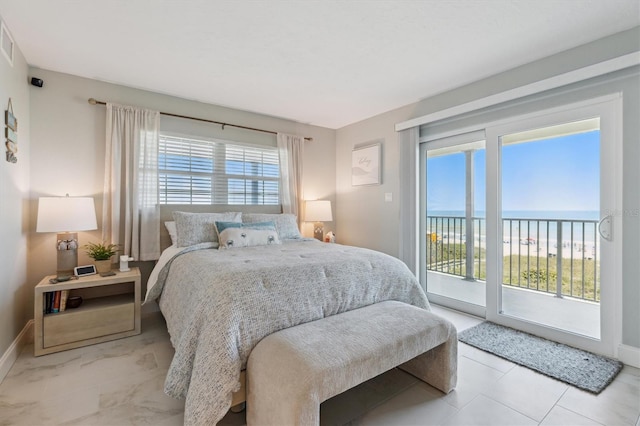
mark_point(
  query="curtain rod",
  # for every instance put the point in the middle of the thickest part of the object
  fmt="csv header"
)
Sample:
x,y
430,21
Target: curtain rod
x,y
93,101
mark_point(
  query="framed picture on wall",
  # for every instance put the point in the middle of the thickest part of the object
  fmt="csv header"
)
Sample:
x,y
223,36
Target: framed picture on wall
x,y
365,165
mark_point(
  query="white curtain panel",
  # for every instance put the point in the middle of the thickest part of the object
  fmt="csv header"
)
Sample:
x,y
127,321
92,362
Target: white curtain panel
x,y
131,212
408,141
290,151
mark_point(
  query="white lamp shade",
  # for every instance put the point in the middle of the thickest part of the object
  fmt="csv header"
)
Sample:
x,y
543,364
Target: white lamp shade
x,y
318,211
64,214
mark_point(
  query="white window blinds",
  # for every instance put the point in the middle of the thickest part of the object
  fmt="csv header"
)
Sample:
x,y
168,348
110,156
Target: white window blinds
x,y
195,171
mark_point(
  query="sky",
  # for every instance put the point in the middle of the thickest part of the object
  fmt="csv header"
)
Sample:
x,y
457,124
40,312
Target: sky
x,y
558,174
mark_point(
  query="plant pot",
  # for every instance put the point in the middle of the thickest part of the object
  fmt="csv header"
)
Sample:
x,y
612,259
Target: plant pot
x,y
103,266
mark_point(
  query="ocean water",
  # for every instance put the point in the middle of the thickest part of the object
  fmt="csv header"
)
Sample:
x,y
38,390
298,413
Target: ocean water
x,y
579,227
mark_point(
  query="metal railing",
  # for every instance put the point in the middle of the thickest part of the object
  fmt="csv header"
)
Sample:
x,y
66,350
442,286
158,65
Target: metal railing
x,y
558,256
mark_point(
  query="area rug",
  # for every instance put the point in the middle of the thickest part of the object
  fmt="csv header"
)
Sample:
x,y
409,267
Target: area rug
x,y
576,367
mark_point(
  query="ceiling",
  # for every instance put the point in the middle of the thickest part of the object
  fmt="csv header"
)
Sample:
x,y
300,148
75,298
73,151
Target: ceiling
x,y
327,63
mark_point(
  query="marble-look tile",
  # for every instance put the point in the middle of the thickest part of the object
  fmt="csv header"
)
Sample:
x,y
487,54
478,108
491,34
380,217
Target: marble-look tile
x,y
461,320
485,411
473,378
353,403
527,392
559,416
618,404
121,383
101,370
422,405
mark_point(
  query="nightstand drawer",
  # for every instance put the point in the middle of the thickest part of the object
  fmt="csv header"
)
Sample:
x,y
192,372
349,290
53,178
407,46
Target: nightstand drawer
x,y
74,326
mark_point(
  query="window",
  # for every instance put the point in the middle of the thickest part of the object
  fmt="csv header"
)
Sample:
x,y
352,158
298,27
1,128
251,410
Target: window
x,y
192,171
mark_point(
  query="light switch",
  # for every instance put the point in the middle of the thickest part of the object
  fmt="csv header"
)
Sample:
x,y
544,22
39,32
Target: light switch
x,y
388,197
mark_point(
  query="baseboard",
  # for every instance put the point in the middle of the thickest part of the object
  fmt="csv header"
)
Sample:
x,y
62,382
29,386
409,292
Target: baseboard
x,y
11,354
629,355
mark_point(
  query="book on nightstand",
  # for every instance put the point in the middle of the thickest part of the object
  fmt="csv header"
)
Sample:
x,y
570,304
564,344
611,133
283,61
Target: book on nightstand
x,y
56,302
64,294
48,299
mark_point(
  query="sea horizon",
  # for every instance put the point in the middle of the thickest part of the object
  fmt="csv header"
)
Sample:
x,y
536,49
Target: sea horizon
x,y
526,214
535,225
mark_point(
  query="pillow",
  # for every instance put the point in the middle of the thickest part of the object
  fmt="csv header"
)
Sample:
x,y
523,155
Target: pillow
x,y
171,229
247,237
286,224
195,228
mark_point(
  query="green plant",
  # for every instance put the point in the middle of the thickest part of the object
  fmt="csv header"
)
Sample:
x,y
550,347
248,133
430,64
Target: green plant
x,y
101,251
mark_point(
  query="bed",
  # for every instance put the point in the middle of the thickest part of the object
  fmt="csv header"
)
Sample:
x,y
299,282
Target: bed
x,y
219,303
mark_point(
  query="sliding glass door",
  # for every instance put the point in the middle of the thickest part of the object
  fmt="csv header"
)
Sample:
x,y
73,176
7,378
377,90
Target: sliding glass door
x,y
550,199
520,226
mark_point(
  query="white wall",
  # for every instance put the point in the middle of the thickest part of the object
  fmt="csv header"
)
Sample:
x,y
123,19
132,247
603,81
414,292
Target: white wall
x,y
14,207
68,146
364,219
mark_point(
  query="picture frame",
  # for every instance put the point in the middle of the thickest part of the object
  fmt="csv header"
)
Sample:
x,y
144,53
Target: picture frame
x,y
365,165
10,120
11,135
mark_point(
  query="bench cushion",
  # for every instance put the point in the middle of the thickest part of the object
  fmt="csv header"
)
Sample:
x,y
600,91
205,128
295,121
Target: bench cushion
x,y
290,372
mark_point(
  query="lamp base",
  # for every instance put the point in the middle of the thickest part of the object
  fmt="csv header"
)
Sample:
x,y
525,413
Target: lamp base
x,y
67,245
318,231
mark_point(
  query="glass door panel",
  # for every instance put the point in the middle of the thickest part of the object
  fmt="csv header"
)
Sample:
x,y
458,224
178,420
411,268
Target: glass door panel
x,y
550,209
455,223
553,246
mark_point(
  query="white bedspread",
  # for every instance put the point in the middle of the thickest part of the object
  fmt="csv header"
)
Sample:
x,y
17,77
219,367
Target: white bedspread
x,y
219,304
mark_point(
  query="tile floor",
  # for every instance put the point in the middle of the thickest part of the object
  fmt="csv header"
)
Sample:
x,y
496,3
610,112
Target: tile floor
x,y
120,383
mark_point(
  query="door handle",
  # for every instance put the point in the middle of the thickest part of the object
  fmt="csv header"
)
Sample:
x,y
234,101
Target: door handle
x,y
605,231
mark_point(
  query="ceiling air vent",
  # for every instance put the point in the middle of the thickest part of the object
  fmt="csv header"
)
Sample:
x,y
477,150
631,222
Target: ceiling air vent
x,y
6,43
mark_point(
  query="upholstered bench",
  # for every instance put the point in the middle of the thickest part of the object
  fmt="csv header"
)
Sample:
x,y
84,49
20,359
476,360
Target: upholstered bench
x,y
290,372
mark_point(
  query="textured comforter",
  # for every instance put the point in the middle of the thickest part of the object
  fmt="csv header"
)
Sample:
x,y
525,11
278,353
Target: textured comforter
x,y
219,304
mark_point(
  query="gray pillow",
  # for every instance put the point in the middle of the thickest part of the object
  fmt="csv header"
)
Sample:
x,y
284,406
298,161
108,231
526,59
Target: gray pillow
x,y
286,224
195,228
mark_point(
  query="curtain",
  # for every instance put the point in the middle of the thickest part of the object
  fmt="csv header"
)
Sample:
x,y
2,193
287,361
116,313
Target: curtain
x,y
130,212
290,151
409,170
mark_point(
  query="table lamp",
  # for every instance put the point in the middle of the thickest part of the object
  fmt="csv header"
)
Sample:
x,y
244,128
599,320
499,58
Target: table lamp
x,y
318,211
66,215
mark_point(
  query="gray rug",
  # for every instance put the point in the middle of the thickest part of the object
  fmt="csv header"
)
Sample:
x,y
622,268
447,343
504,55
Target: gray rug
x,y
576,367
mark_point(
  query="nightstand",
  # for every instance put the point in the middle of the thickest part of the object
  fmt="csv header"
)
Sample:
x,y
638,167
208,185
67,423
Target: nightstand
x,y
110,310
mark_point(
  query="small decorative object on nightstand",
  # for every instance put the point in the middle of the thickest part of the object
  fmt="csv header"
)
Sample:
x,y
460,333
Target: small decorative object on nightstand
x,y
101,254
106,308
330,237
318,211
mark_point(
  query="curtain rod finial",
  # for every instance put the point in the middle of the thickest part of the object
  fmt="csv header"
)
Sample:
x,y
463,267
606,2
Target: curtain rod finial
x,y
92,101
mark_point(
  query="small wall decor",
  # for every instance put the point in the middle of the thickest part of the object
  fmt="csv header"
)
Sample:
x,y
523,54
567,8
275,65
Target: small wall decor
x,y
365,165
11,133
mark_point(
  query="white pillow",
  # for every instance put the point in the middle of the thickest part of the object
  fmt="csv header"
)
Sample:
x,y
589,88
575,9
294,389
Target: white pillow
x,y
196,228
246,237
173,233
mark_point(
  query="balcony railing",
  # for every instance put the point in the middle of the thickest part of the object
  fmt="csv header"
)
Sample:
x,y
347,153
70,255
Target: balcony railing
x,y
558,256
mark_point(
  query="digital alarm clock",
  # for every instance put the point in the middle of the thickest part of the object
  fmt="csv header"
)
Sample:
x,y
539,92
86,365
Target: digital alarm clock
x,y
81,271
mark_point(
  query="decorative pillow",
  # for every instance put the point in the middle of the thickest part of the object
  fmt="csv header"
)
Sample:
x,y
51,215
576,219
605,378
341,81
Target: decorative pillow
x,y
195,228
247,237
286,224
173,233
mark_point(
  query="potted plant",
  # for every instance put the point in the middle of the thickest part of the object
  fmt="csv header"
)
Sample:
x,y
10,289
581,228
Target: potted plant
x,y
101,254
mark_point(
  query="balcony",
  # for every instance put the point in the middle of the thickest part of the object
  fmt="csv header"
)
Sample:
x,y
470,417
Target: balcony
x,y
550,266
